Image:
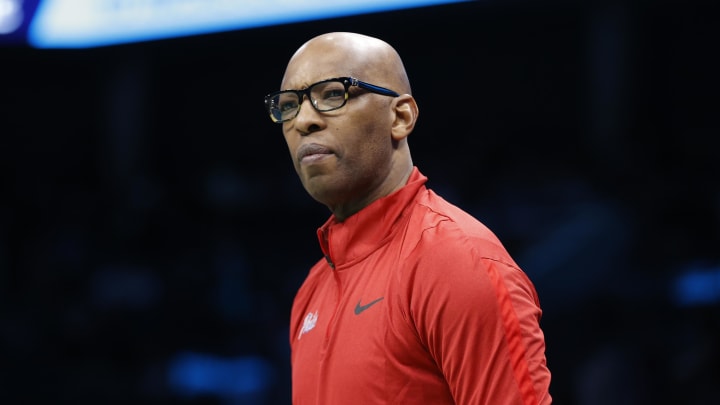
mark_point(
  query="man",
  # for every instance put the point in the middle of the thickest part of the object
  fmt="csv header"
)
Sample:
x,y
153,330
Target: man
x,y
415,302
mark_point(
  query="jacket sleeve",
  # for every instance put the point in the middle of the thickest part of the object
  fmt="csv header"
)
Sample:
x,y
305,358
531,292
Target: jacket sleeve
x,y
478,316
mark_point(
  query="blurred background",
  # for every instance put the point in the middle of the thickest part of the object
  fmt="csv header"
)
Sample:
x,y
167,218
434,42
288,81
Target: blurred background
x,y
153,231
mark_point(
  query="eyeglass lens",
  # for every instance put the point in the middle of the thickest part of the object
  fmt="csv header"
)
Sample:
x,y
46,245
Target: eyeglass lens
x,y
325,96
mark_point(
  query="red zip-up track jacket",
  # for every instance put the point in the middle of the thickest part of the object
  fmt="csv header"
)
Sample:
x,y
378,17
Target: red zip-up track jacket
x,y
416,302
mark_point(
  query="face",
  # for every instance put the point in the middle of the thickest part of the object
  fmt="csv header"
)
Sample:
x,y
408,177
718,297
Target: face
x,y
344,156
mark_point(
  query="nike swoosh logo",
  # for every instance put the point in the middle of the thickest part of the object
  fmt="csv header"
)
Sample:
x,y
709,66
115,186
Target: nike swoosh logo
x,y
361,308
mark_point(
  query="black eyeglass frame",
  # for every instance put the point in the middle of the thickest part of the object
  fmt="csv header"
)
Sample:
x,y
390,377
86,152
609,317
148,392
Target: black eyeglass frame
x,y
301,94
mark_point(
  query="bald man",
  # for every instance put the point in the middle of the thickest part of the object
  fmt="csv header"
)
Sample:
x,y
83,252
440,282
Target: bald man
x,y
415,301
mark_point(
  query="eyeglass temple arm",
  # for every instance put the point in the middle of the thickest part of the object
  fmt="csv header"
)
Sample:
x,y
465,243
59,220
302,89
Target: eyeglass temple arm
x,y
372,87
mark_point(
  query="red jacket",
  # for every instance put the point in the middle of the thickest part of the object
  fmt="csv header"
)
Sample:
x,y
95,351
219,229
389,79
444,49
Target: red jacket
x,y
416,303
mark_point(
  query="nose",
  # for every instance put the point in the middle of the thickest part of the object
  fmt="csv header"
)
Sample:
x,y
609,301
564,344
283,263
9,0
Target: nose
x,y
308,119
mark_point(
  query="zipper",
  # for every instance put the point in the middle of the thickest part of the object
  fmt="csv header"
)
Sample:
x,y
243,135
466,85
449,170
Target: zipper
x,y
338,285
338,298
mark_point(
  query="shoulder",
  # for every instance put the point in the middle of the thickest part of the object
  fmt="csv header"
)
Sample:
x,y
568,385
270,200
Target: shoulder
x,y
456,260
438,229
447,248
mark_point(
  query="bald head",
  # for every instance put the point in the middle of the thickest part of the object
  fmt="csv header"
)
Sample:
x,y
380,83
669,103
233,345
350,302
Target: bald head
x,y
339,54
349,156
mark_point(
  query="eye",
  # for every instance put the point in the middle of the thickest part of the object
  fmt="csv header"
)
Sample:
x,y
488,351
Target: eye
x,y
287,105
335,93
287,102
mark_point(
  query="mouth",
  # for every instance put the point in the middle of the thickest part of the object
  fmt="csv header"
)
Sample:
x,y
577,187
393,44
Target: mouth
x,y
312,152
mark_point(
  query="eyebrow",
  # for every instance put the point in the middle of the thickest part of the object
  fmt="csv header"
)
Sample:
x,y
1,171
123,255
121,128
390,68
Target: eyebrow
x,y
306,84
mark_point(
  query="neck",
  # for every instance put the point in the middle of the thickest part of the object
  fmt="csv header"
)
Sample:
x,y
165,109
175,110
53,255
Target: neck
x,y
396,180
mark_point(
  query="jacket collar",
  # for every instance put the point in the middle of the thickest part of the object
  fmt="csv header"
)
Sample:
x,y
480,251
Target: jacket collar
x,y
344,243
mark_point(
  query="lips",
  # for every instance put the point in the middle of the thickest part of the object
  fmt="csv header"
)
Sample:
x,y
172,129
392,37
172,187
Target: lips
x,y
311,151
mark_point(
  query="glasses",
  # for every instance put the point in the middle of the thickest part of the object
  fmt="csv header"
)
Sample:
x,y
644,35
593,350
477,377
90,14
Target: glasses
x,y
326,95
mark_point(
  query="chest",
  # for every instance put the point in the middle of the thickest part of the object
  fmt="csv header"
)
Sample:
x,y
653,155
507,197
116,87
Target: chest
x,y
353,338
345,319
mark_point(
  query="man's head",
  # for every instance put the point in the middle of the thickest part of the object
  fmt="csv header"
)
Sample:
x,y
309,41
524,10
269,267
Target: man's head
x,y
348,157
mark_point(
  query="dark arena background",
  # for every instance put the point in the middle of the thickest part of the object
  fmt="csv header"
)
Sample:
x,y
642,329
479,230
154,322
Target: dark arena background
x,y
153,231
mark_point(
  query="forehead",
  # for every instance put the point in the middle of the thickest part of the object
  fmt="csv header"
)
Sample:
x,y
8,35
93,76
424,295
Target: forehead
x,y
304,78
318,62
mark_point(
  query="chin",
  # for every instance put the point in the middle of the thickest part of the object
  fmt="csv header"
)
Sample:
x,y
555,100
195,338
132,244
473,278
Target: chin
x,y
324,192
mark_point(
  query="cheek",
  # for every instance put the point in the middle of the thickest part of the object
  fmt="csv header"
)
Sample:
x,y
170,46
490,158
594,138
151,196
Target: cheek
x,y
371,147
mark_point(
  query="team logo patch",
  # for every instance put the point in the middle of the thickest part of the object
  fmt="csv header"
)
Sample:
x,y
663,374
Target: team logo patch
x,y
308,323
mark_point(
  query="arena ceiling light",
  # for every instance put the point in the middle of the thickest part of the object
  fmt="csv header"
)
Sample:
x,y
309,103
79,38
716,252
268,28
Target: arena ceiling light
x,y
92,23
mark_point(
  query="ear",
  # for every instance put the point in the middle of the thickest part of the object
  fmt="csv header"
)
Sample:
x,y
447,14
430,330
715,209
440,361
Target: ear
x,y
406,115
